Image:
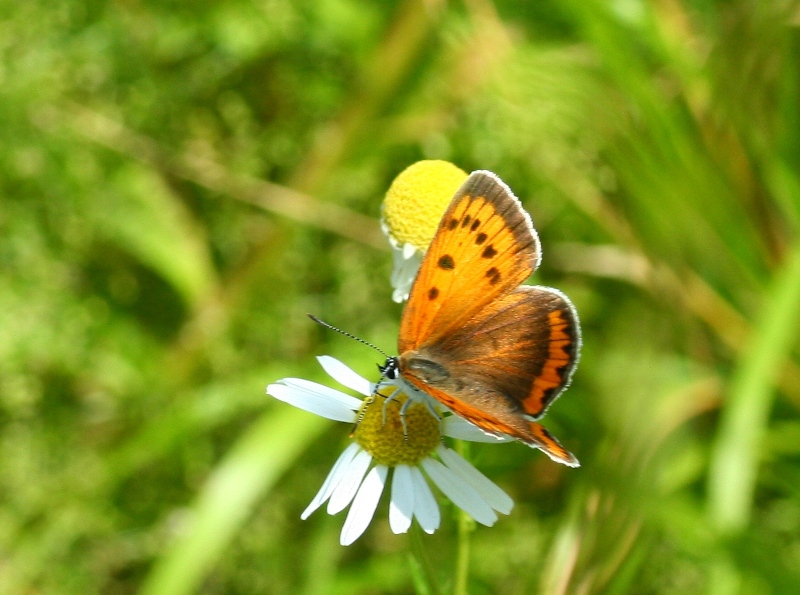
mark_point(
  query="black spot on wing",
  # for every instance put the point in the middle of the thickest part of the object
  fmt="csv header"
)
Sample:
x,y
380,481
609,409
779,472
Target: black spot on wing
x,y
446,262
494,275
489,252
480,238
452,224
466,220
433,293
475,225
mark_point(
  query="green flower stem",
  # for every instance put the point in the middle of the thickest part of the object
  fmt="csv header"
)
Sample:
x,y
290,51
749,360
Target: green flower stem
x,y
421,568
465,527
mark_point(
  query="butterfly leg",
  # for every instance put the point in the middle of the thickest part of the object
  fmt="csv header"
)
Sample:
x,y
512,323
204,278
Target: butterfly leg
x,y
403,410
386,402
408,404
433,411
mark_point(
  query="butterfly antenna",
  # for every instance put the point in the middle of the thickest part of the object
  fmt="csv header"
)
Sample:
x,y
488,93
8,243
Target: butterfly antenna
x,y
346,334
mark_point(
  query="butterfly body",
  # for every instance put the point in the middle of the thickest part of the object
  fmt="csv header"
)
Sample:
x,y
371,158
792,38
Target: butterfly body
x,y
492,350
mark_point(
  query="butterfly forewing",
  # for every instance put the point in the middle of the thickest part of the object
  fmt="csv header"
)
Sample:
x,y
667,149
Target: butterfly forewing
x,y
484,248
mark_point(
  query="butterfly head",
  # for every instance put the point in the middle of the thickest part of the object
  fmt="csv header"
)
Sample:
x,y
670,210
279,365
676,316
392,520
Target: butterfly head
x,y
391,369
417,366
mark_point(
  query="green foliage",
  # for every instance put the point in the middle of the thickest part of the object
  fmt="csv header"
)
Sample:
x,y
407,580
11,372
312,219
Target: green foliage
x,y
180,183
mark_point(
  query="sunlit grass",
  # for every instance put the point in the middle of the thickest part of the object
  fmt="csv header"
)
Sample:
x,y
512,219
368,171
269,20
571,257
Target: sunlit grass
x,y
179,188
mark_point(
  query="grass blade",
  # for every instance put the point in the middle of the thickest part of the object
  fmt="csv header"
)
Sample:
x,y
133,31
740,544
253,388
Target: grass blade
x,y
251,468
735,456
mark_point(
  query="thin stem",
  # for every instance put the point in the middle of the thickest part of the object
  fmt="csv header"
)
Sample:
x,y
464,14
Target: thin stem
x,y
465,527
421,569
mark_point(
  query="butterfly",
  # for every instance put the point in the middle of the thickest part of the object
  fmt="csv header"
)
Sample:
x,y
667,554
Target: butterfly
x,y
492,350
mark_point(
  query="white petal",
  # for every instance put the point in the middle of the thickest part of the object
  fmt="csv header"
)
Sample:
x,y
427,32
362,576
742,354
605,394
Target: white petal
x,y
409,250
323,390
401,507
344,375
488,490
460,492
343,493
333,479
458,427
400,294
425,507
406,264
364,505
316,398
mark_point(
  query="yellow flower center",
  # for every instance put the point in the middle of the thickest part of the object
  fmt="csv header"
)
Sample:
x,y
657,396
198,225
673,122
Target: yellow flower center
x,y
393,439
417,199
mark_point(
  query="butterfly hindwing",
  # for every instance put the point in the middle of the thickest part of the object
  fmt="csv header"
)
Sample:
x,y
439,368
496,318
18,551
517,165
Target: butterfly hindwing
x,y
502,369
524,345
484,248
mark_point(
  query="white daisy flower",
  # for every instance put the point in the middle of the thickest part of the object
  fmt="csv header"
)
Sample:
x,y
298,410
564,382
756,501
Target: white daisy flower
x,y
399,430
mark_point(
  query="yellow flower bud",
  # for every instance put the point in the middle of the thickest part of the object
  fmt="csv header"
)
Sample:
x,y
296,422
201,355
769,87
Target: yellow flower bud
x,y
417,199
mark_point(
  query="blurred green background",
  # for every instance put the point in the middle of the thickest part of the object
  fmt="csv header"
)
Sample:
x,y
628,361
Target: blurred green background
x,y
181,182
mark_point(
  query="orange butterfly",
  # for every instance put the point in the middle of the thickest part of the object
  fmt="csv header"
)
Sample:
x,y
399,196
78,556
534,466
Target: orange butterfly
x,y
492,350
